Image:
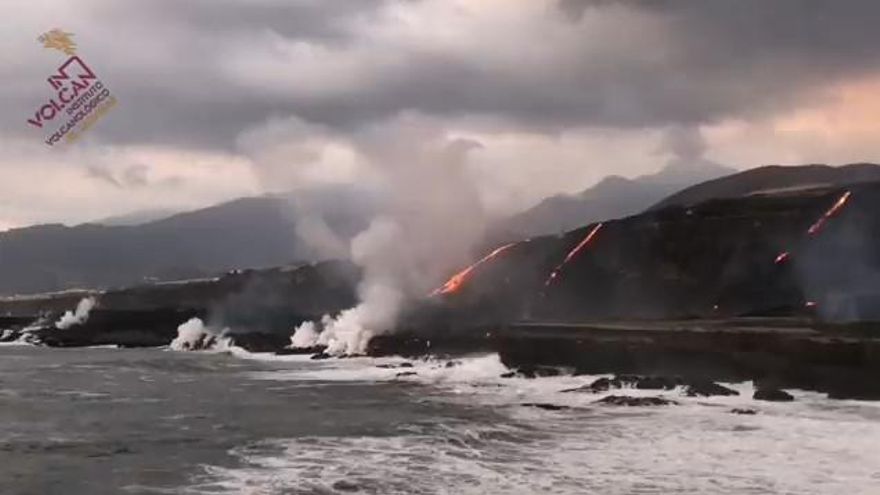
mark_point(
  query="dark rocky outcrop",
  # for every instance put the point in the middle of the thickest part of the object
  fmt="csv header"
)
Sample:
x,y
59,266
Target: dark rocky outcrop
x,y
533,372
630,381
258,307
626,400
545,406
300,351
597,386
131,328
707,388
346,486
773,395
394,366
742,411
692,388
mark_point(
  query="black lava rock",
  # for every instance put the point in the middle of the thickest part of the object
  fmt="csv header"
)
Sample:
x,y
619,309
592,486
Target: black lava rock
x,y
346,486
773,395
656,382
299,351
626,400
708,389
634,381
545,406
747,412
532,372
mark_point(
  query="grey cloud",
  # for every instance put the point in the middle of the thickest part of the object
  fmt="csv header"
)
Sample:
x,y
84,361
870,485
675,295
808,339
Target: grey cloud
x,y
135,176
305,19
130,177
684,143
706,60
102,174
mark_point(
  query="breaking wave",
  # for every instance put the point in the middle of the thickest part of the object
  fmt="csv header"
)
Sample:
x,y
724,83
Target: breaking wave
x,y
812,446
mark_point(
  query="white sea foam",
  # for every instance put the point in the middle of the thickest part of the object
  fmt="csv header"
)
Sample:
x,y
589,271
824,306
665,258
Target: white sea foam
x,y
16,343
811,446
25,337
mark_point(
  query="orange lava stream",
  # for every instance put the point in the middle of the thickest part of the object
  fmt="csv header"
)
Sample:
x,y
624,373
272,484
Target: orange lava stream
x,y
819,224
571,254
834,210
455,282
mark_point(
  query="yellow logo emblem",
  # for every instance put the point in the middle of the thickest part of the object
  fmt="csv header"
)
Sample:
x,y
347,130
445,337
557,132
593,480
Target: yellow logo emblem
x,y
58,40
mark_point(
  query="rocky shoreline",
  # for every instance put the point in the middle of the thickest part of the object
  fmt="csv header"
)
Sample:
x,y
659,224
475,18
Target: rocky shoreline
x,y
842,361
778,289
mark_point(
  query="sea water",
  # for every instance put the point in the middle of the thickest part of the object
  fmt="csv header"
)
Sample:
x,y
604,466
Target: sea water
x,y
95,421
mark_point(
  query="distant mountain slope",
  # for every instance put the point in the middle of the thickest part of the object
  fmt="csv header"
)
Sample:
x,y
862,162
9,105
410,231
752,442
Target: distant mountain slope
x,y
773,178
248,232
136,217
613,197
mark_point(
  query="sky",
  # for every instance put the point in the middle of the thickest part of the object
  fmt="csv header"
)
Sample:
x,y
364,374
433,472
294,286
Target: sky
x,y
219,99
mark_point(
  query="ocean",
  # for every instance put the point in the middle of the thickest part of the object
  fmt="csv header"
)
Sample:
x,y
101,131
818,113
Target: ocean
x,y
156,421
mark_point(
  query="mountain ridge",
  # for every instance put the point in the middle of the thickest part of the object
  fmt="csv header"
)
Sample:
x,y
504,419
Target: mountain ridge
x,y
612,197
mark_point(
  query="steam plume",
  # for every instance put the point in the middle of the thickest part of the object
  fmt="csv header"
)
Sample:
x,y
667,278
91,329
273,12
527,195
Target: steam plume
x,y
193,335
433,219
77,317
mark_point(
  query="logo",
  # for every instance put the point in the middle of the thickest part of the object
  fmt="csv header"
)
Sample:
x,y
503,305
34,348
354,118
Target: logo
x,y
58,40
78,99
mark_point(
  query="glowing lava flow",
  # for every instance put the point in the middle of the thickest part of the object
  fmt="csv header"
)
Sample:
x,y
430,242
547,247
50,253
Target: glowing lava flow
x,y
834,210
571,254
457,281
819,224
782,258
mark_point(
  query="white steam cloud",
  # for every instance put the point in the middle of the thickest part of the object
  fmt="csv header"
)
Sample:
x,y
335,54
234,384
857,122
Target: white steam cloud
x,y
193,335
434,217
78,316
381,295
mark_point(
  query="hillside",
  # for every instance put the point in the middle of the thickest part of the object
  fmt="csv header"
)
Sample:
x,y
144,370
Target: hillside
x,y
773,179
612,197
244,233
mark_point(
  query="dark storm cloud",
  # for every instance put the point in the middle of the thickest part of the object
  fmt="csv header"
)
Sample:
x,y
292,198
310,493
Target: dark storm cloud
x,y
713,33
655,63
720,59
